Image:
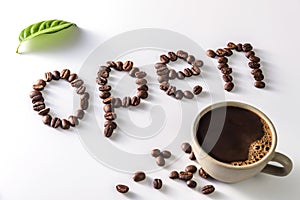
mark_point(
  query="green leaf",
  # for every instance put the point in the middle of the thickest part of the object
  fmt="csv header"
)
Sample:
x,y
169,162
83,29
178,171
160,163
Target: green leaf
x,y
43,27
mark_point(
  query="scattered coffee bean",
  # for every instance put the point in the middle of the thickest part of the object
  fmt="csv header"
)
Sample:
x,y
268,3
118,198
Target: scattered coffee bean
x,y
198,63
108,131
172,74
208,189
141,81
84,104
155,153
133,71
135,101
140,74
47,119
65,124
157,183
99,81
79,114
231,45
182,54
160,65
222,60
111,64
239,47
126,102
171,91
160,161
103,73
38,87
41,82
172,56
119,66
185,176
77,83
228,86
107,100
117,102
191,168
222,65
166,154
110,116
142,94
258,76
192,156
56,75
221,52
247,47
254,59
187,72
48,76
180,75
44,111
255,71
105,88
85,96
72,77
227,70
190,59
143,87
162,71
38,106
122,188
164,86
55,122
73,120
81,90
127,66
259,84
191,183
163,78
197,89
195,71
227,78
112,124
228,52
250,53
35,93
186,147
164,59
65,73
173,175
139,176
211,53
104,95
254,65
179,94
203,173
108,108
37,98
188,94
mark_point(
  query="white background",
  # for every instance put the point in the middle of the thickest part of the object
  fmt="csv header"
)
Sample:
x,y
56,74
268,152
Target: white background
x,y
40,163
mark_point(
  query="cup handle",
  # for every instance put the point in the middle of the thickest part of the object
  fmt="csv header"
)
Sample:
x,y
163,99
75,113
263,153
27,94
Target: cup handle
x,y
286,163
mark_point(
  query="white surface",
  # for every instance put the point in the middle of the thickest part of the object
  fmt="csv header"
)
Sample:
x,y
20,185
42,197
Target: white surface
x,y
38,162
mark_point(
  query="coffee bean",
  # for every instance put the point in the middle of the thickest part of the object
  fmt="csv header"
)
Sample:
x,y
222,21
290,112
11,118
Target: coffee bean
x,y
117,102
203,173
155,153
103,73
195,71
157,183
127,66
110,123
186,147
99,81
254,59
77,83
227,70
72,77
110,116
172,56
143,87
44,111
228,86
141,81
171,91
85,96
191,184
191,168
259,84
38,87
108,131
187,72
182,54
119,66
239,47
108,108
48,76
65,124
160,161
65,73
247,47
208,189
188,94
228,52
254,65
133,71
180,75
73,120
164,59
160,65
162,71
37,98
250,53
192,156
227,78
222,65
164,86
255,71
104,95
135,101
105,88
126,102
185,176
172,74
231,45
35,93
222,60
211,53
198,63
111,64
140,74
79,114
139,176
190,59
258,76
38,106
47,119
41,82
55,75
142,94
221,52
173,175
107,100
122,188
84,104
197,89
166,154
55,122
81,90
179,94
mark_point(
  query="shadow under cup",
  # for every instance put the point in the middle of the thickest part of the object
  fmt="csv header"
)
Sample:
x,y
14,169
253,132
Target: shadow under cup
x,y
223,169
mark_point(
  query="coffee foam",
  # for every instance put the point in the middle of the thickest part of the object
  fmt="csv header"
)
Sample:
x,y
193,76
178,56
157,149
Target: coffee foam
x,y
259,148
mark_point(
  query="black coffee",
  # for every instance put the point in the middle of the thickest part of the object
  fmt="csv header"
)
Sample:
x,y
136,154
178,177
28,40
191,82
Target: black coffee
x,y
234,135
